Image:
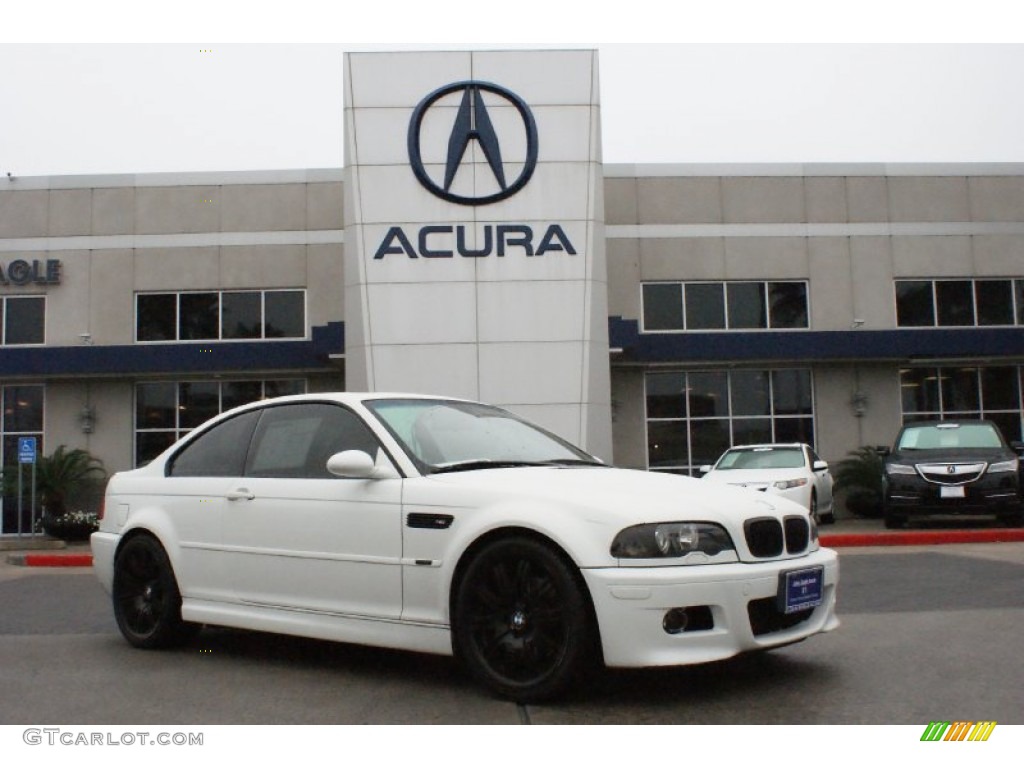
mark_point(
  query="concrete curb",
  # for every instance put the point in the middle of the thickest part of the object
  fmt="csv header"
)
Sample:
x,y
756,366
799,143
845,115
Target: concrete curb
x,y
919,538
52,560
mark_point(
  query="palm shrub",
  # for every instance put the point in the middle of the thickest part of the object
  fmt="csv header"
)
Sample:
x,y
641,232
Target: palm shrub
x,y
859,476
61,477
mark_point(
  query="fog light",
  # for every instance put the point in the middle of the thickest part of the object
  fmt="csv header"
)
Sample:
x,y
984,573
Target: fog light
x,y
675,621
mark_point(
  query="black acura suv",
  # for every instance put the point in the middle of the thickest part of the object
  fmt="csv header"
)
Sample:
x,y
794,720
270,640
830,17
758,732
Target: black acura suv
x,y
954,468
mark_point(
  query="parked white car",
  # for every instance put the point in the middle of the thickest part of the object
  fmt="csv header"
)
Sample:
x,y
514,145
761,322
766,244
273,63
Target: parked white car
x,y
451,527
790,470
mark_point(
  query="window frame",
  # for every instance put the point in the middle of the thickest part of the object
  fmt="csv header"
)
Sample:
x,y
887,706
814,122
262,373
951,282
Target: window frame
x,y
773,418
1015,309
220,337
724,285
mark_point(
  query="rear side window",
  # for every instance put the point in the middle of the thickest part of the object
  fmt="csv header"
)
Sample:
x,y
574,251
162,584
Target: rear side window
x,y
219,451
296,440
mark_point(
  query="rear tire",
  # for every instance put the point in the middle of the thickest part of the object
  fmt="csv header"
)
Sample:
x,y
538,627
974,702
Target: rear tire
x,y
521,623
895,521
147,603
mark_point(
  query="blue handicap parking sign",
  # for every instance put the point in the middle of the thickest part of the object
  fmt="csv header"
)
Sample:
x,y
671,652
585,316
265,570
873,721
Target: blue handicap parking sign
x,y
26,450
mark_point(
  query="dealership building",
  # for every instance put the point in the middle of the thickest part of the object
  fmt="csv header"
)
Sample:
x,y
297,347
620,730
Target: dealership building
x,y
475,245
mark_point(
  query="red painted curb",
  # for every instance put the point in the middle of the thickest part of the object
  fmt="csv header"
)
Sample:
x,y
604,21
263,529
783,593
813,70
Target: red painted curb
x,y
59,561
914,538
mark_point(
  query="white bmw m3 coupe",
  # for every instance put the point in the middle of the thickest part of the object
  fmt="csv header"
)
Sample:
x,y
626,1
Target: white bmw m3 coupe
x,y
451,527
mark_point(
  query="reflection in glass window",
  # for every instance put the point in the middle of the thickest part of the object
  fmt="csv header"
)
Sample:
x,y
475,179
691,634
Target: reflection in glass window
x,y
990,392
241,315
954,300
663,306
22,320
212,316
994,299
284,314
747,307
198,316
21,415
156,317
705,306
787,305
166,411
692,417
666,395
915,303
963,303
709,306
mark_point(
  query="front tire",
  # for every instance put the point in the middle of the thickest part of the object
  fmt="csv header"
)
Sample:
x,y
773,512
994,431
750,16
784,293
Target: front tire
x,y
521,622
147,603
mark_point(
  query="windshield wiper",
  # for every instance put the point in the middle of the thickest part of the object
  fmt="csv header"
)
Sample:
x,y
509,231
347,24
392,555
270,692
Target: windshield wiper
x,y
466,466
572,463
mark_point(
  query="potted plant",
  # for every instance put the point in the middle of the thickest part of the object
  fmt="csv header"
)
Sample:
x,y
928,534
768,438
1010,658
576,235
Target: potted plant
x,y
63,476
859,477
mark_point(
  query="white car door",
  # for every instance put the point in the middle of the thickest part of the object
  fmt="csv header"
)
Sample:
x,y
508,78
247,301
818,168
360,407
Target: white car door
x,y
299,538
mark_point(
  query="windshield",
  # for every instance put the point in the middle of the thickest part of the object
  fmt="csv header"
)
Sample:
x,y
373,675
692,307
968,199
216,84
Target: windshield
x,y
445,435
938,436
762,458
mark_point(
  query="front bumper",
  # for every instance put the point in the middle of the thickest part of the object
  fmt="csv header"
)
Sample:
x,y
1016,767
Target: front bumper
x,y
104,546
631,604
987,496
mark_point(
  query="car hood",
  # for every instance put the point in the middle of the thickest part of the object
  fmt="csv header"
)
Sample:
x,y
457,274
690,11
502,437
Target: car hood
x,y
621,496
949,455
754,476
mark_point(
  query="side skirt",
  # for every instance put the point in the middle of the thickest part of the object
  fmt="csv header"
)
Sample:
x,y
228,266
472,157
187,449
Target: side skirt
x,y
384,633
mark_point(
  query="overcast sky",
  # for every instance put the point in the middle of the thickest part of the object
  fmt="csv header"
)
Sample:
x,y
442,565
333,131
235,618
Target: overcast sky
x,y
73,108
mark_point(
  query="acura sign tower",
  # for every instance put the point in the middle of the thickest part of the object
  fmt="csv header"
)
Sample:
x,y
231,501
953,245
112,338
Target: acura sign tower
x,y
474,244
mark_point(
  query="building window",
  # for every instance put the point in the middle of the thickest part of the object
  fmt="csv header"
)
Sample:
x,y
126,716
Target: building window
x,y
167,410
740,305
959,303
22,320
21,415
694,416
968,392
220,315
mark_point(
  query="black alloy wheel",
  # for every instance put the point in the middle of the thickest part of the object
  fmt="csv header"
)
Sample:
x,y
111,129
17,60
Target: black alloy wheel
x,y
521,622
147,603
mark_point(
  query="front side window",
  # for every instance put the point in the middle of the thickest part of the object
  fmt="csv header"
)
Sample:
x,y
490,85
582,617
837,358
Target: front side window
x,y
297,440
218,452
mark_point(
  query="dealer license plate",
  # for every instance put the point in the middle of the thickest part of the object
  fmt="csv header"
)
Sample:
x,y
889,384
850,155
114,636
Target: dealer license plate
x,y
951,492
800,590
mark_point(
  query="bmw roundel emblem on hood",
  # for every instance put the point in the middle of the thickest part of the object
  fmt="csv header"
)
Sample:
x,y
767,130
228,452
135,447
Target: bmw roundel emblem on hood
x,y
472,123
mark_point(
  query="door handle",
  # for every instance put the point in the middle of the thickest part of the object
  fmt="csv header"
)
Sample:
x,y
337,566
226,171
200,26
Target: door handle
x,y
240,494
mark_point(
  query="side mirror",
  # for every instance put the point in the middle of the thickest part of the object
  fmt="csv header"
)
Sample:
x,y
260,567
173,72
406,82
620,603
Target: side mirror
x,y
704,469
1018,446
882,450
819,465
351,464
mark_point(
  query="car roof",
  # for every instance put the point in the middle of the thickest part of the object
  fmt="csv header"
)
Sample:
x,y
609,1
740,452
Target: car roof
x,y
767,445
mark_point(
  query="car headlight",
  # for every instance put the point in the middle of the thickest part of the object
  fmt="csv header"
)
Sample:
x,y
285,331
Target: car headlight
x,y
900,469
671,540
785,485
1011,465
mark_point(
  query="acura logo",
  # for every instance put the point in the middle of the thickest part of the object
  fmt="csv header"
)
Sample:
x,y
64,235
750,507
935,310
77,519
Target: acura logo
x,y
472,124
951,469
